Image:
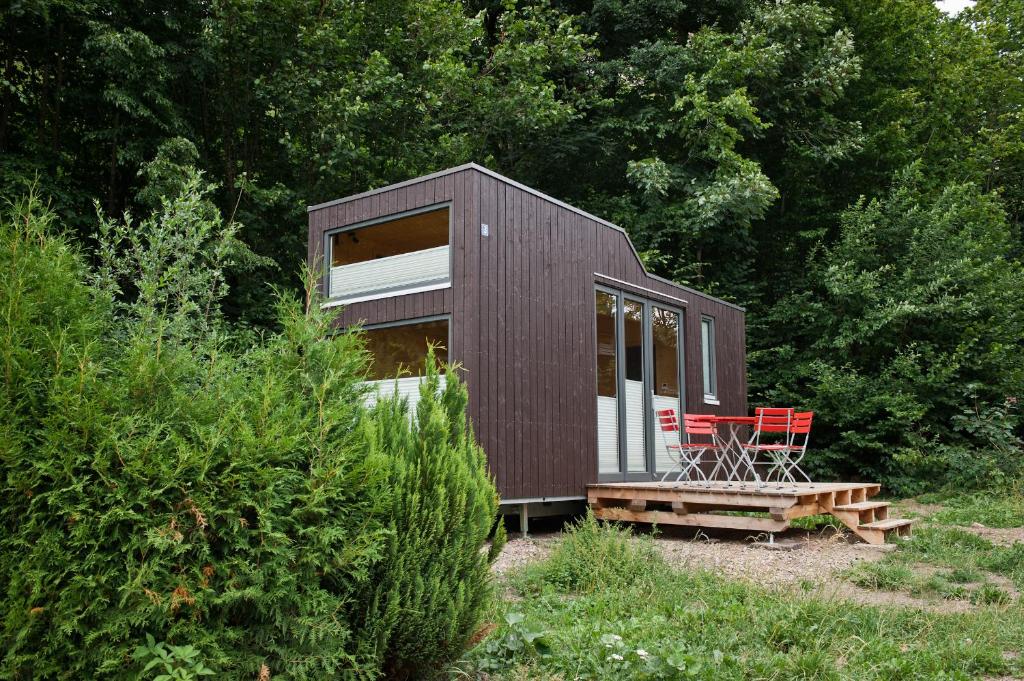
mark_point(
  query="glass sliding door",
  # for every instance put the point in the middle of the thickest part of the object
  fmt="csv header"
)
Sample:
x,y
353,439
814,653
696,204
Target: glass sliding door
x,y
607,383
634,416
666,388
639,370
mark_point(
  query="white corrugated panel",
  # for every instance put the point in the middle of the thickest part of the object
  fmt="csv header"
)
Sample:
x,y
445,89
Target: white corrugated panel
x,y
608,435
636,457
394,272
663,459
407,387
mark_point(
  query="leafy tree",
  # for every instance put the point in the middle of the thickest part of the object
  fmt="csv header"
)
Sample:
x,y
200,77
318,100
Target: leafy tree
x,y
286,104
696,103
907,339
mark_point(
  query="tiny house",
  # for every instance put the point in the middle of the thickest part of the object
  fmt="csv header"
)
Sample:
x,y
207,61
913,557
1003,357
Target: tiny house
x,y
567,344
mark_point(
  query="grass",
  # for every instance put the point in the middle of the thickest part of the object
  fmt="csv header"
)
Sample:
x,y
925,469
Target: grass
x,y
1005,509
960,550
967,565
882,576
607,606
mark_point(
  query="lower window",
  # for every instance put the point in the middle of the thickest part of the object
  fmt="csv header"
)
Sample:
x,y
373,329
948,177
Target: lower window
x,y
401,350
399,355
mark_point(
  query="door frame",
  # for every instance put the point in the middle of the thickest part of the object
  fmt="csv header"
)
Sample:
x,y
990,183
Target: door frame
x,y
681,378
650,432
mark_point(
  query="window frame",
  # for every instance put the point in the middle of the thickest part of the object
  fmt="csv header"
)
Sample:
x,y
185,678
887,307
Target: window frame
x,y
445,317
377,294
710,348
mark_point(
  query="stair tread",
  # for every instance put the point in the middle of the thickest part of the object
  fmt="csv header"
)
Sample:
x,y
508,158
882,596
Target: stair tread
x,y
862,506
890,524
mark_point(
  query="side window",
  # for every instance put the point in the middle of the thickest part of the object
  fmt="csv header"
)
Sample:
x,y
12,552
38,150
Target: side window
x,y
708,363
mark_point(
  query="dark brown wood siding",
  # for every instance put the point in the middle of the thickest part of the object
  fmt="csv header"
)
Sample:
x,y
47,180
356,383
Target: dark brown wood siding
x,y
522,309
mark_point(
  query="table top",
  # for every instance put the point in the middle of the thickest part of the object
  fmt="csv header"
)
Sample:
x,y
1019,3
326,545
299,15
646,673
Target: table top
x,y
742,420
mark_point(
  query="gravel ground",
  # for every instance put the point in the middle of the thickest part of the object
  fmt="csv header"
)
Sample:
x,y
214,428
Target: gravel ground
x,y
518,552
814,563
818,558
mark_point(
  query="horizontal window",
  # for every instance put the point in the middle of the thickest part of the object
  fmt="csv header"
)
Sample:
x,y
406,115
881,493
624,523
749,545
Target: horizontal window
x,y
404,253
402,350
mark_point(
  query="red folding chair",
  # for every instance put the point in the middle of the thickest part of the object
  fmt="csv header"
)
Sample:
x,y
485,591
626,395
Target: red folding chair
x,y
687,454
788,460
771,437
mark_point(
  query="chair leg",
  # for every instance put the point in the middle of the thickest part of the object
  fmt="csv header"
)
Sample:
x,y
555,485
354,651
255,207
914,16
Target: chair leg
x,y
745,461
720,465
794,465
693,470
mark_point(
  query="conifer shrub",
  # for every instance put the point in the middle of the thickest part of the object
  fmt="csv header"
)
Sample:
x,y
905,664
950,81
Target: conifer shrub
x,y
170,482
427,597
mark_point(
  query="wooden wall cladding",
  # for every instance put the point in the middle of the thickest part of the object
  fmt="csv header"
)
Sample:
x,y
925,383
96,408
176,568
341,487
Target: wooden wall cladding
x,y
522,308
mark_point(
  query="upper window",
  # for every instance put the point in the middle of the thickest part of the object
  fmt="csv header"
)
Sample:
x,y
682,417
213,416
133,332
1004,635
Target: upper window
x,y
391,257
707,346
401,350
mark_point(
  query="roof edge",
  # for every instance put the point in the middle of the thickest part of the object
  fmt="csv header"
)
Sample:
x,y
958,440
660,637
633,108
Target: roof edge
x,y
530,190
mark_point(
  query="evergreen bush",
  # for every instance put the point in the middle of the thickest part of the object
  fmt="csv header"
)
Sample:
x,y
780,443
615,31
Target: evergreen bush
x,y
167,476
427,597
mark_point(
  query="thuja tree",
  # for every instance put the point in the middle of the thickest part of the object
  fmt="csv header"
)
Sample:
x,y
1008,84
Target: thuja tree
x,y
158,481
167,475
426,598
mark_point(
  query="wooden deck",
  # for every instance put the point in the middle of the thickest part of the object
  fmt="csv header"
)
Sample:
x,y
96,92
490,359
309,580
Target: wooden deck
x,y
701,505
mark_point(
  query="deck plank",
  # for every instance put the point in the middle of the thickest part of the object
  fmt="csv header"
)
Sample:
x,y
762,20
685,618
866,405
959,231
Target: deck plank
x,y
699,505
729,522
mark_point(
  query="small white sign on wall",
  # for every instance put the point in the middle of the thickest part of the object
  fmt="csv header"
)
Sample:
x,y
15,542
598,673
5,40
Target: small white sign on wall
x,y
485,229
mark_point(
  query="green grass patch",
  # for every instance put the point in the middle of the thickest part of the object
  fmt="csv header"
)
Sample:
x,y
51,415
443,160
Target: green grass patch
x,y
816,522
960,550
988,508
990,594
937,585
882,576
592,556
963,575
606,606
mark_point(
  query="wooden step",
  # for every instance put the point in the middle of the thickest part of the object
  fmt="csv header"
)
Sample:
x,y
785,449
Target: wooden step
x,y
863,506
886,525
876,532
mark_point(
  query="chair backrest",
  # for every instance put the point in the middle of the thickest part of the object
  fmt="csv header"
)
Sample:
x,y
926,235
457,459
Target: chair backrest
x,y
698,424
801,422
667,420
773,419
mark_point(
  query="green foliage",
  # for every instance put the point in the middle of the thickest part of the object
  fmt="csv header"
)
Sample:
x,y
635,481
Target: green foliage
x,y
156,482
883,576
176,662
691,624
594,555
746,146
282,103
903,347
167,477
963,575
517,644
427,596
991,508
